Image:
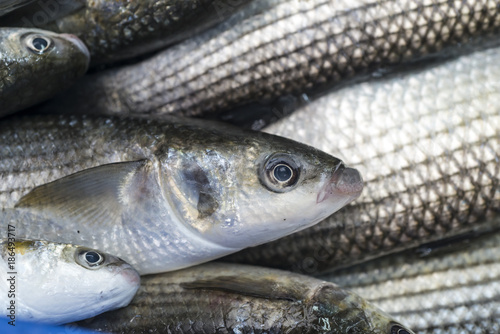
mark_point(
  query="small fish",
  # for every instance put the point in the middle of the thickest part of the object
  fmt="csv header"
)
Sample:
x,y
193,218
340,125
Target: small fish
x,y
163,194
58,283
231,298
36,64
428,145
276,48
458,292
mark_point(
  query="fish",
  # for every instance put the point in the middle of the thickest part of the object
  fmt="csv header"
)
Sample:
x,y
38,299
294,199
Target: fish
x,y
232,298
291,48
56,283
163,194
36,65
9,5
427,143
118,30
454,292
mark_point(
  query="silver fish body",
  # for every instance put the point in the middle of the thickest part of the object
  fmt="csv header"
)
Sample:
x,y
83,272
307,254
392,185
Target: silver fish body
x,y
36,65
428,145
59,283
455,292
230,298
291,47
117,30
163,194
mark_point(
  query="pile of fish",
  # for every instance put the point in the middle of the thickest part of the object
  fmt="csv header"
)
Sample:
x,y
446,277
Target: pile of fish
x,y
107,171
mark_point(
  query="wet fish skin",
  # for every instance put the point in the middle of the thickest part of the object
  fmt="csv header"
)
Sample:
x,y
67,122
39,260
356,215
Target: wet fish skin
x,y
227,298
457,292
57,283
117,30
37,64
292,47
163,194
427,144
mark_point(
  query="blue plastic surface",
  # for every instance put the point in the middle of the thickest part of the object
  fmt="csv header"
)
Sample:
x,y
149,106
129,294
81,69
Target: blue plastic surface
x,y
34,328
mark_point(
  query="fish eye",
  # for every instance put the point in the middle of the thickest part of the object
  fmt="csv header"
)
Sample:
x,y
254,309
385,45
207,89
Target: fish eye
x,y
38,44
89,258
280,173
93,258
398,329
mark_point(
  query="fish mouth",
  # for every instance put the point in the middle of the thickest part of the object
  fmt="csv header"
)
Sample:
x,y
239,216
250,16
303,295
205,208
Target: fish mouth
x,y
346,182
79,44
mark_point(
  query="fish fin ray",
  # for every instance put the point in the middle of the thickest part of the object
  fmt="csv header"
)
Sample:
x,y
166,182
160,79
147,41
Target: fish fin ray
x,y
89,196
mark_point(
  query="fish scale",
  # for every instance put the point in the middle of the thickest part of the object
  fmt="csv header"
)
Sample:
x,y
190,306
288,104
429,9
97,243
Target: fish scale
x,y
428,146
222,298
50,155
117,30
293,47
457,291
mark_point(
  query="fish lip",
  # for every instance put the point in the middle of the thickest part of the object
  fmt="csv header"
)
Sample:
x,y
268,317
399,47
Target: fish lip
x,y
345,181
79,44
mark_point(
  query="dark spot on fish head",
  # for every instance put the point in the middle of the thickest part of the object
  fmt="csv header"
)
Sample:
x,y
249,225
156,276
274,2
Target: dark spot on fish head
x,y
396,328
207,205
198,185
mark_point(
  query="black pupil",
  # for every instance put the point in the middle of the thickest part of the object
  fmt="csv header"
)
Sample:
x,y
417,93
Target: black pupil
x,y
282,173
403,331
92,257
40,44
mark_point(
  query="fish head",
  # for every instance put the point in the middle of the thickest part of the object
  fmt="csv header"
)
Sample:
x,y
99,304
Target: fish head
x,y
63,282
118,281
241,189
338,310
38,63
44,50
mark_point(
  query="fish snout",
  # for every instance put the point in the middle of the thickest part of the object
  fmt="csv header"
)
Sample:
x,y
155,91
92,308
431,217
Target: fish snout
x,y
345,181
128,272
131,276
78,43
349,182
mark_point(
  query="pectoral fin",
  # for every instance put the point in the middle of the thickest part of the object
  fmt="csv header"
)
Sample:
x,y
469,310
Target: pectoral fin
x,y
94,195
262,288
